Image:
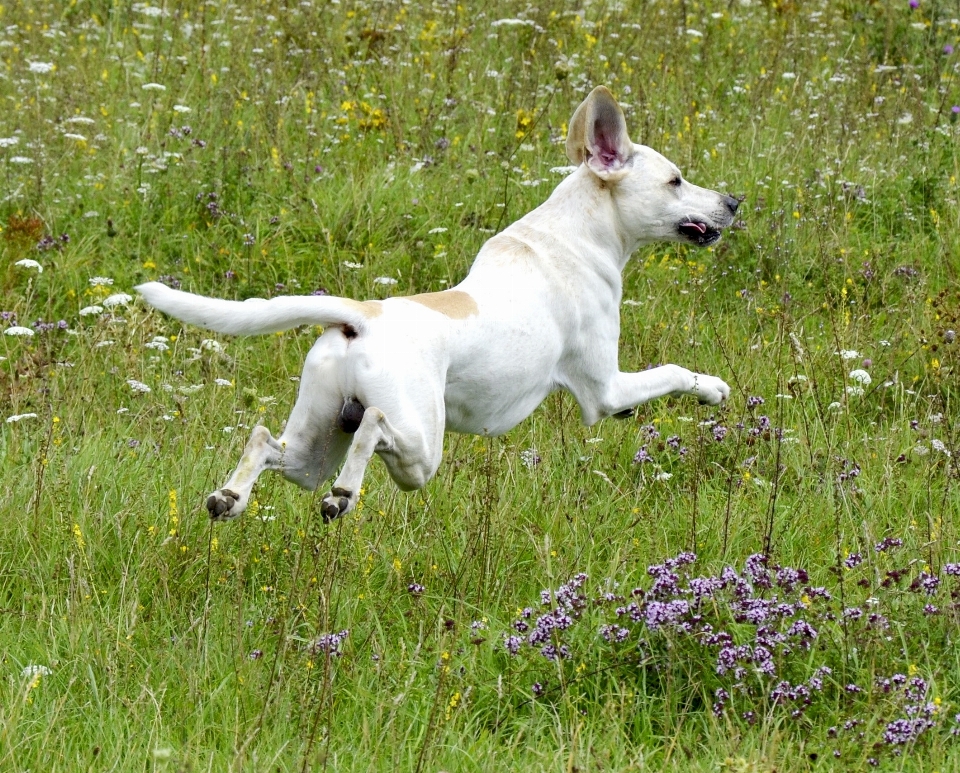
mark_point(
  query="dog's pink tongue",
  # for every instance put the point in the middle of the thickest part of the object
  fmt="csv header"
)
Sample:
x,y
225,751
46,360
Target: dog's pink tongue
x,y
699,226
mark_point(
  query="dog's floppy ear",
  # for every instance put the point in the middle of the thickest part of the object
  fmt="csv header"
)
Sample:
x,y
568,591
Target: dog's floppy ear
x,y
598,135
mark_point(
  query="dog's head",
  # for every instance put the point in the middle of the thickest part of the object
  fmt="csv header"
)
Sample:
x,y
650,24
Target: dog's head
x,y
653,201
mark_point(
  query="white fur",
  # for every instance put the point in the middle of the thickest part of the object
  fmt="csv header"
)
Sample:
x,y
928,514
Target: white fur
x,y
539,311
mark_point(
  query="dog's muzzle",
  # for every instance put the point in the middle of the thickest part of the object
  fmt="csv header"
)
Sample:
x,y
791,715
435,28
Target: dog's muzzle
x,y
703,233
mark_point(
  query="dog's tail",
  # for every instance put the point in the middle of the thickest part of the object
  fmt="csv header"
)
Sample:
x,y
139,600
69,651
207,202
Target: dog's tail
x,y
258,315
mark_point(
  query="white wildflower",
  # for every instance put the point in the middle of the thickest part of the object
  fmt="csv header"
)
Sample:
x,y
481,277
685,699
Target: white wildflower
x,y
385,280
848,354
159,343
350,264
18,330
153,87
30,263
789,76
102,344
32,670
189,390
921,450
148,10
437,230
563,170
695,33
182,109
855,391
117,299
663,475
86,311
209,345
8,142
512,23
123,410
80,119
19,416
835,406
138,386
75,137
20,160
41,68
861,377
97,281
222,382
938,445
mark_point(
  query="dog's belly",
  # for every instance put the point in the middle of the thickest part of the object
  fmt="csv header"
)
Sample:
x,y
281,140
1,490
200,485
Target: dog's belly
x,y
474,408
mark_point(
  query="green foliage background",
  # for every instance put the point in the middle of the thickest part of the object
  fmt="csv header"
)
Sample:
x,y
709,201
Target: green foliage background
x,y
257,148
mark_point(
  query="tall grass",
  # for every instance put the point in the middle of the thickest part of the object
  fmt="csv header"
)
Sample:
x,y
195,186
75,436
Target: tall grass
x,y
368,149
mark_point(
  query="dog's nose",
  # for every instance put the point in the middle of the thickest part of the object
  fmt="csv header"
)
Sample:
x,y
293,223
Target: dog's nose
x,y
732,204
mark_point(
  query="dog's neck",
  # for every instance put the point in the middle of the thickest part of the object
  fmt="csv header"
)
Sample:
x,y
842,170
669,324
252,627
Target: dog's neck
x,y
582,214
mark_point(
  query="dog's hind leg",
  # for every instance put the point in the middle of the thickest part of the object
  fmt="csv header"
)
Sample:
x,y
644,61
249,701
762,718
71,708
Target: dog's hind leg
x,y
262,452
311,447
411,457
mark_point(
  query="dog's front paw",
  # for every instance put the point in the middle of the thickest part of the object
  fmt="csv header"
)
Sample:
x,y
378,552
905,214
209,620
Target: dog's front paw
x,y
710,389
336,503
225,504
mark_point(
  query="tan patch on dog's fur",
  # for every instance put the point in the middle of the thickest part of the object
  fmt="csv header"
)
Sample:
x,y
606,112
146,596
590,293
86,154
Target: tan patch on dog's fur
x,y
455,304
369,309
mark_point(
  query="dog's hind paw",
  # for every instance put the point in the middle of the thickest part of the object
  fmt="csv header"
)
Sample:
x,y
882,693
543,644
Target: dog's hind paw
x,y
224,505
336,503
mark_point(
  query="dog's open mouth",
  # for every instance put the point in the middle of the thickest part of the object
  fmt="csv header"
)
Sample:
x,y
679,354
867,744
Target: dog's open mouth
x,y
698,232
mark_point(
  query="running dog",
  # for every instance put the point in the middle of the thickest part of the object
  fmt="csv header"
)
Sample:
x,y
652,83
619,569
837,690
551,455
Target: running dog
x,y
538,311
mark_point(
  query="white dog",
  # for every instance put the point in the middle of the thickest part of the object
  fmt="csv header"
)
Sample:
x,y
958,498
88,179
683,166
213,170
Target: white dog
x,y
539,311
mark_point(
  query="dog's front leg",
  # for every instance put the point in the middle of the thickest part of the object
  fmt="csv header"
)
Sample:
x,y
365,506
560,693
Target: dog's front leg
x,y
625,390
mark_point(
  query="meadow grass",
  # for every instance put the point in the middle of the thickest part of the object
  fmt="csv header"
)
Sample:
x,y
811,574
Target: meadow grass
x,y
368,149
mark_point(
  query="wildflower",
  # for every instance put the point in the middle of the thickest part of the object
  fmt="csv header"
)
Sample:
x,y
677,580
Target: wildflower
x,y
41,68
415,589
86,311
117,299
887,543
385,280
18,330
861,377
642,456
32,670
329,643
100,281
530,458
138,386
153,87
853,560
20,416
29,263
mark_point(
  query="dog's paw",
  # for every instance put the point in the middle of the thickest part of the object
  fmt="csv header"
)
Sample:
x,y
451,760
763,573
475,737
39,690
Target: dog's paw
x,y
225,504
710,390
336,503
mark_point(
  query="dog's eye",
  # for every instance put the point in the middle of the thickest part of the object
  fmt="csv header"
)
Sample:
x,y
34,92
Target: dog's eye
x,y
676,181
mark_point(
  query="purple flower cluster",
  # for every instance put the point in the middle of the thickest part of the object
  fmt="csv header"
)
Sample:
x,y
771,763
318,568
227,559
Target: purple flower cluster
x,y
329,643
752,642
565,606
